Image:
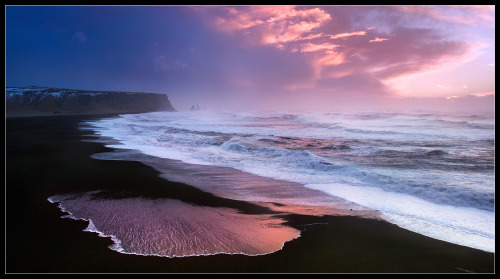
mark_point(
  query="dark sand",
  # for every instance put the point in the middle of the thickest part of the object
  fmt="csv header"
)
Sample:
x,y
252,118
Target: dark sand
x,y
46,156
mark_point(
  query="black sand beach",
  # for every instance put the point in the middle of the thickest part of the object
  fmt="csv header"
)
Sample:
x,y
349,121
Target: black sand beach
x,y
46,155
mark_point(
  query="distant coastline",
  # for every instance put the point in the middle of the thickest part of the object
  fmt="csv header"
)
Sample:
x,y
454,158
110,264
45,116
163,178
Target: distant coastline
x,y
37,101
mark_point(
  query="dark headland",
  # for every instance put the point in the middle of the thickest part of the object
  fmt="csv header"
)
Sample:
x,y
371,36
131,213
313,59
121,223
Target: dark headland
x,y
46,156
44,100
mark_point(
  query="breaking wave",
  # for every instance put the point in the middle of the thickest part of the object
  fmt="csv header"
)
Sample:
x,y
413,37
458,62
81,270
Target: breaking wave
x,y
385,159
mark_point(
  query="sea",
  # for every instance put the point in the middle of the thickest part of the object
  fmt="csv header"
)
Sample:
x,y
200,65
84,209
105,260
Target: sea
x,y
425,171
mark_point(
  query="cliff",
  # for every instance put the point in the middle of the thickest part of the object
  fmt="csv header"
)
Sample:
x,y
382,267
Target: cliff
x,y
42,100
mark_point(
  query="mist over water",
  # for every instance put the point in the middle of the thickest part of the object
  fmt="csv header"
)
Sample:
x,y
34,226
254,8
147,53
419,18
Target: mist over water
x,y
432,173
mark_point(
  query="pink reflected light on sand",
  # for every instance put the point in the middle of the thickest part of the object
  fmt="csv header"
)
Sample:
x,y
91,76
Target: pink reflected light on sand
x,y
172,228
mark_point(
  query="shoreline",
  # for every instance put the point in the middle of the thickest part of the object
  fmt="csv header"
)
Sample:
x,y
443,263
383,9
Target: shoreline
x,y
48,156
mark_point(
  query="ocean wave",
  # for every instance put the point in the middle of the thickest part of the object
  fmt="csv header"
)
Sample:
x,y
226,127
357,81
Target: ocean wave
x,y
463,225
436,157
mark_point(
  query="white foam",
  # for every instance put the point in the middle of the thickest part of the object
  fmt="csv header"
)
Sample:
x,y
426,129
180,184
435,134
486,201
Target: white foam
x,y
462,225
236,141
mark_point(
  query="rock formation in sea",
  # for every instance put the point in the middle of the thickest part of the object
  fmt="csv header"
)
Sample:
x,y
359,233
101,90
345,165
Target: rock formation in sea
x,y
43,100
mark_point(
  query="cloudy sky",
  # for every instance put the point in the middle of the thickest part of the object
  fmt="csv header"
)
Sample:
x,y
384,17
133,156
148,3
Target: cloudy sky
x,y
268,57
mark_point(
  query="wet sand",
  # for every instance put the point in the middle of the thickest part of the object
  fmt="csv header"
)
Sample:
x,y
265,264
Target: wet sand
x,y
47,156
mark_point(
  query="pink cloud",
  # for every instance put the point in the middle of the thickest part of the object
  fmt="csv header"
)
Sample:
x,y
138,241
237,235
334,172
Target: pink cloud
x,y
268,24
330,58
311,37
483,94
344,35
376,40
310,47
232,20
414,50
285,12
410,45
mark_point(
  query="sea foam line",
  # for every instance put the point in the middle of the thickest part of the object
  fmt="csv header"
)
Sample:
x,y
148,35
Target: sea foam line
x,y
443,222
90,227
263,229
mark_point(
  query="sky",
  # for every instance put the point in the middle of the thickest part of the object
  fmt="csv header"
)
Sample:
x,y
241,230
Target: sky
x,y
262,57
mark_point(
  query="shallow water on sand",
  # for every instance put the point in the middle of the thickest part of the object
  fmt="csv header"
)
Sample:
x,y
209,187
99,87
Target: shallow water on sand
x,y
172,228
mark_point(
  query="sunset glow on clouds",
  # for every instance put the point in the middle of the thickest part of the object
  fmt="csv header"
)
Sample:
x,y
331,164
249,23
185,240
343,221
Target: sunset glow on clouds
x,y
376,55
406,48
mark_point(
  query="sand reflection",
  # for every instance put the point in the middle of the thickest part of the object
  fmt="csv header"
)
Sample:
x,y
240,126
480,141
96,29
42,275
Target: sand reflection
x,y
172,228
